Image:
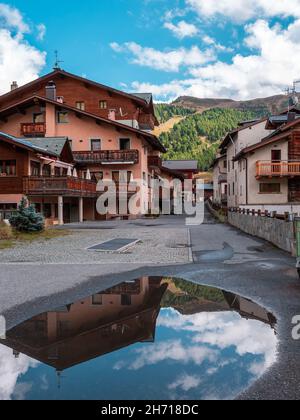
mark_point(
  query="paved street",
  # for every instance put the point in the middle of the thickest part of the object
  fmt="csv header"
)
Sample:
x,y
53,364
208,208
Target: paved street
x,y
222,256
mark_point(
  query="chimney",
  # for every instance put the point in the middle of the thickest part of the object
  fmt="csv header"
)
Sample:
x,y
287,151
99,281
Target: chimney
x,y
112,115
14,86
51,91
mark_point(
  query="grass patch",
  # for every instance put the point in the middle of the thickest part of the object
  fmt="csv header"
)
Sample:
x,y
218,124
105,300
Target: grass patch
x,y
10,237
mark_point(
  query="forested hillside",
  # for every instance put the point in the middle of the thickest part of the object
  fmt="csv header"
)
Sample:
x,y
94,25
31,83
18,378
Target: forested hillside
x,y
165,112
198,136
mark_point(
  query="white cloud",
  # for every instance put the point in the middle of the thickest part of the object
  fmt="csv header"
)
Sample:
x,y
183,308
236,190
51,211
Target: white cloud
x,y
173,350
168,61
182,29
186,382
268,70
213,43
41,28
19,60
241,11
11,369
11,17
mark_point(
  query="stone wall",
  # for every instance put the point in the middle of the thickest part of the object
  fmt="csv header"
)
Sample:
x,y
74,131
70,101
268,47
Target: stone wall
x,y
278,232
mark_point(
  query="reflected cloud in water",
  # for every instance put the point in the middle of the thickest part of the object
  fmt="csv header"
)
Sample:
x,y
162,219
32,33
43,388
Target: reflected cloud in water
x,y
151,338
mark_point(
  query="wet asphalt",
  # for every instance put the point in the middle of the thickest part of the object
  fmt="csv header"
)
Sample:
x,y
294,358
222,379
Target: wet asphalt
x,y
231,260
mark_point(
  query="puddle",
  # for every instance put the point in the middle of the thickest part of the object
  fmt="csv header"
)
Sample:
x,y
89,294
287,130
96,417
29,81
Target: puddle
x,y
153,338
223,255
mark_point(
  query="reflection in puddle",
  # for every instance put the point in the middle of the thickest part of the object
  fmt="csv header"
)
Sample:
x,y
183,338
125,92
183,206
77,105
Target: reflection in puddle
x,y
152,338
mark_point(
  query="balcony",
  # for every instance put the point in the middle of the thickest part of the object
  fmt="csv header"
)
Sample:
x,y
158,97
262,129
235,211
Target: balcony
x,y
155,162
65,186
277,169
33,129
105,157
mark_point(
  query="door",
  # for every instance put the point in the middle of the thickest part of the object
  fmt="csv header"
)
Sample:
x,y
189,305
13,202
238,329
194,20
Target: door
x,y
276,161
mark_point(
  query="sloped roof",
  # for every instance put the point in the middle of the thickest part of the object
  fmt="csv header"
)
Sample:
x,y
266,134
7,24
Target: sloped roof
x,y
229,135
181,165
29,145
64,73
147,97
51,144
150,138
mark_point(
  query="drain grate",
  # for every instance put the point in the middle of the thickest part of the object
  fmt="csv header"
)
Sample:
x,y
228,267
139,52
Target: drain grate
x,y
114,245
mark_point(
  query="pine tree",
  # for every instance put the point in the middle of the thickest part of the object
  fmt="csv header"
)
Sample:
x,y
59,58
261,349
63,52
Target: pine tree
x,y
26,219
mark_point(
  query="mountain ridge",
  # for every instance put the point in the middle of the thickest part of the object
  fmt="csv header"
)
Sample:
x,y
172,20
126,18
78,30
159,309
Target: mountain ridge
x,y
271,104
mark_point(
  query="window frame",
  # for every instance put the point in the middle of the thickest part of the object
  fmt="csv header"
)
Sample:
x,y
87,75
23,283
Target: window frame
x,y
94,140
80,107
3,173
62,112
103,102
269,184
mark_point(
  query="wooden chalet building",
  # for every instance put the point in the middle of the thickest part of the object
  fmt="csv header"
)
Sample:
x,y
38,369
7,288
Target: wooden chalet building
x,y
109,138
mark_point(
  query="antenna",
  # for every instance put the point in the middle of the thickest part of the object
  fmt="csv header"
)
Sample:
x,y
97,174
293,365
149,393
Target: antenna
x,y
57,61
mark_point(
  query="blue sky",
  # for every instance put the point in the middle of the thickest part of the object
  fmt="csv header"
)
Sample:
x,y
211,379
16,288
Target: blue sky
x,y
204,48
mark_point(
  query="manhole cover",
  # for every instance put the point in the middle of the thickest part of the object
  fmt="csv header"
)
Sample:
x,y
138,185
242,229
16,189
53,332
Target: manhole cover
x,y
114,245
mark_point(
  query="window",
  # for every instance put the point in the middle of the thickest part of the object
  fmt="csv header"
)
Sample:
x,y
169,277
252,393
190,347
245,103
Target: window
x,y
80,105
276,155
8,168
232,164
268,188
46,170
38,118
35,168
125,300
241,190
103,104
95,145
233,188
97,299
225,164
124,144
62,117
116,176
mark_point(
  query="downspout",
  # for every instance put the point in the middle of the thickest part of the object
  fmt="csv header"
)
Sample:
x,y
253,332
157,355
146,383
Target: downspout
x,y
247,189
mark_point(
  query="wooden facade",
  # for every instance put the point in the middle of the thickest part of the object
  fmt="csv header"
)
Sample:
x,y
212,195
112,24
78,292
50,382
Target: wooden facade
x,y
97,99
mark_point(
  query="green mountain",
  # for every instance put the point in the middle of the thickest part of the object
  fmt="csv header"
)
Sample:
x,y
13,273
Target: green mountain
x,y
198,136
164,112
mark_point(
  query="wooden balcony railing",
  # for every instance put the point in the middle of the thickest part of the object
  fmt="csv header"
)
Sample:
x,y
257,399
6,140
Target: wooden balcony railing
x,y
33,129
66,186
155,161
277,169
108,156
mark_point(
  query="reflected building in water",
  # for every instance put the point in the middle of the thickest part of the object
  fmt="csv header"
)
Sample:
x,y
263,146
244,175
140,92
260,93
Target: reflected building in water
x,y
118,317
